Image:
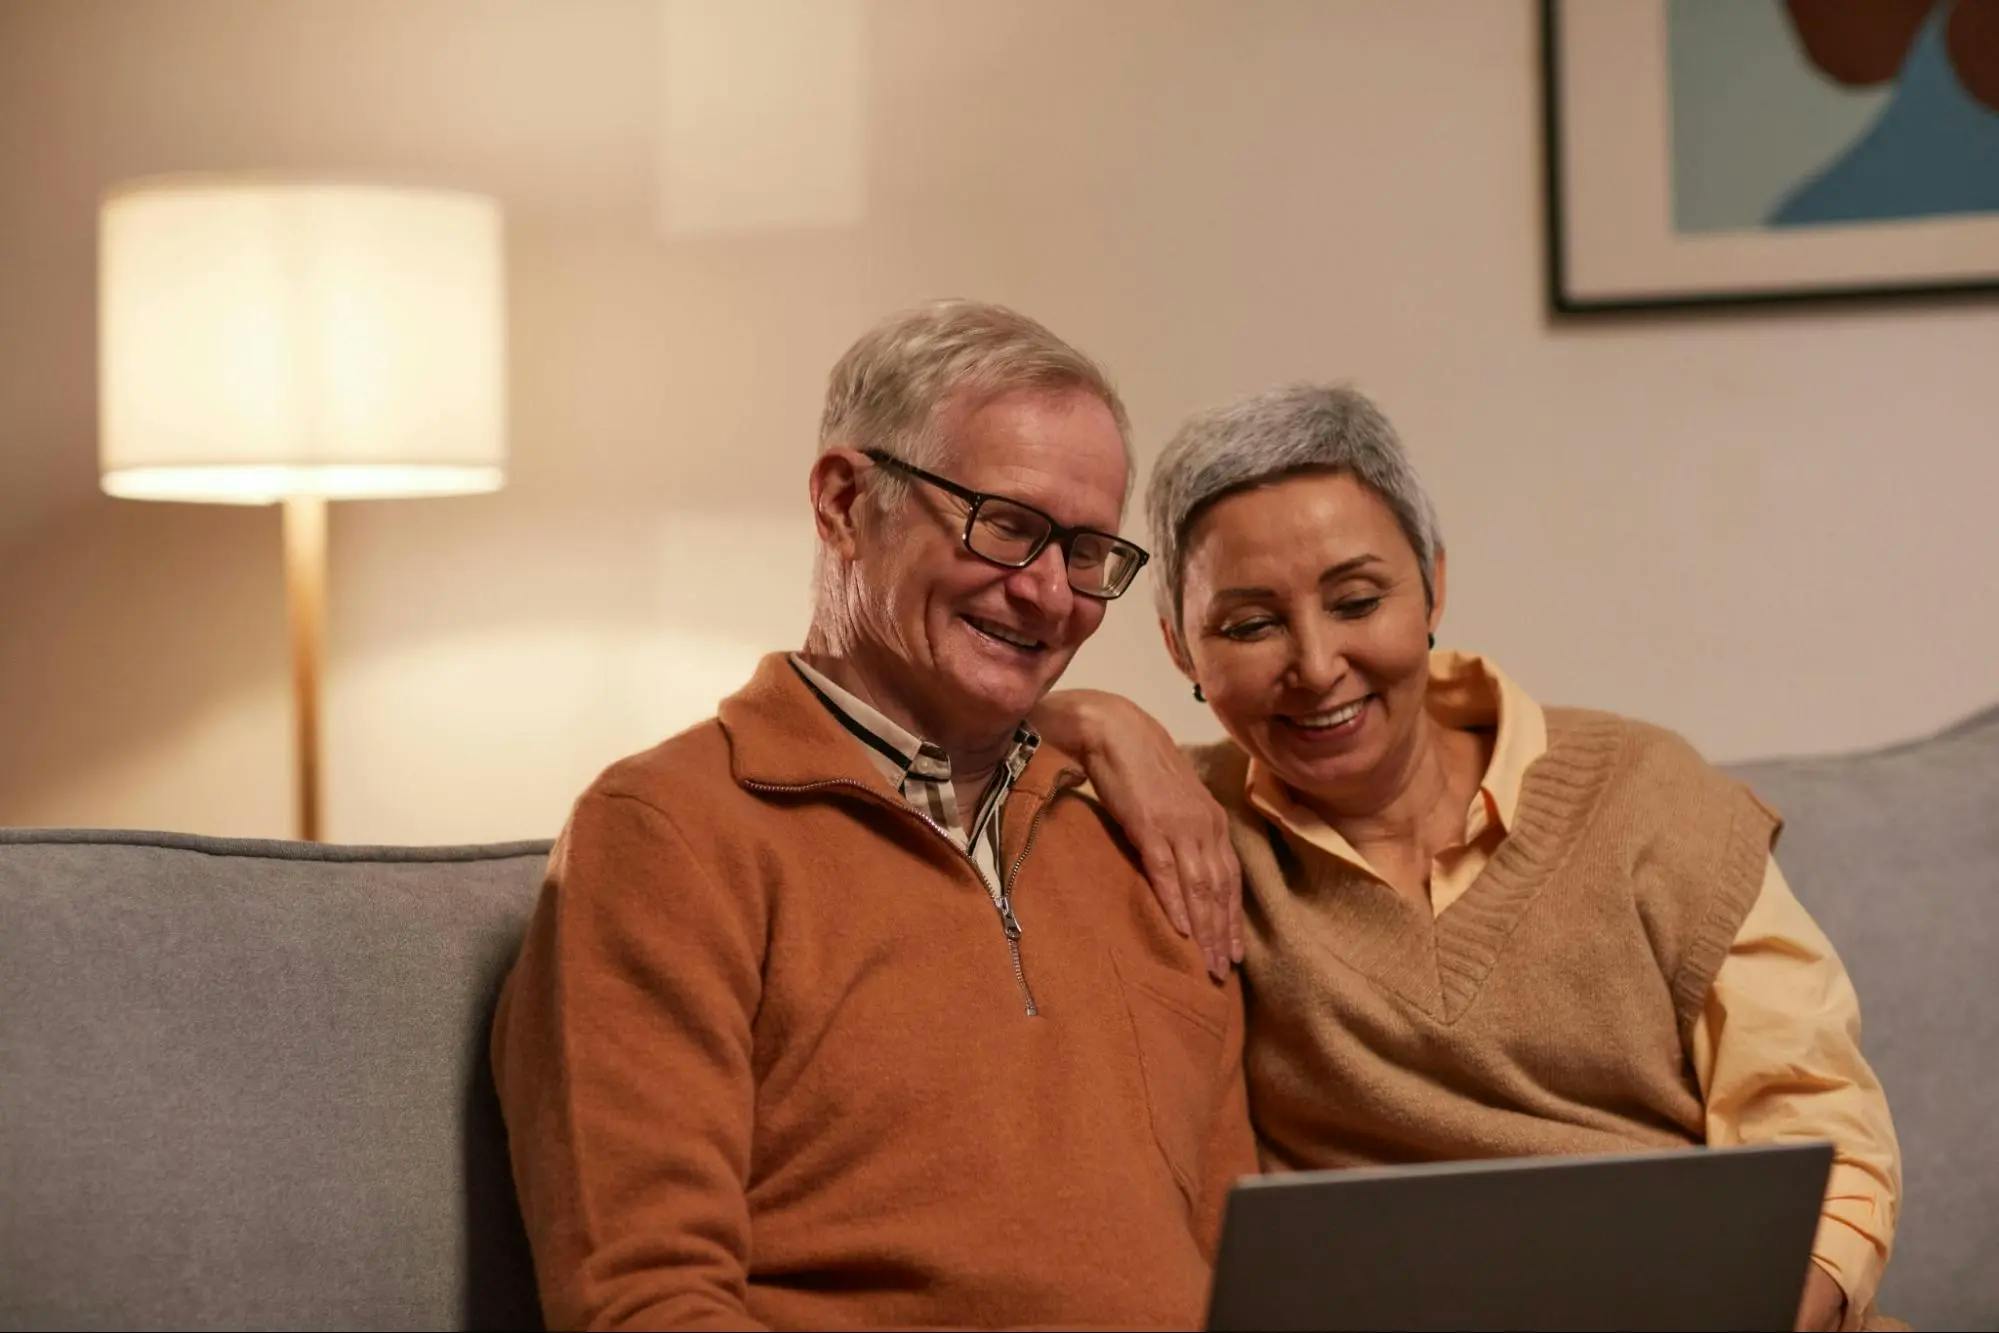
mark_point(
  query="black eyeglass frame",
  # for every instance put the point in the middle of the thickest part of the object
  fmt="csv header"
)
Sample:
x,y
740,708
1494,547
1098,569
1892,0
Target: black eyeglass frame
x,y
1061,534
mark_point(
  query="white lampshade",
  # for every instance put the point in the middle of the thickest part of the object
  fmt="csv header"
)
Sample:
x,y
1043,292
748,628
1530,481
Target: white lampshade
x,y
264,338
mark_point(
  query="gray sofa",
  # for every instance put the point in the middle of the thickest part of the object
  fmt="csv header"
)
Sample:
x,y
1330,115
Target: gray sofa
x,y
244,1084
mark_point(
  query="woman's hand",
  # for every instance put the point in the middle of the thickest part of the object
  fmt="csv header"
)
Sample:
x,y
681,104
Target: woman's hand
x,y
1152,791
1823,1305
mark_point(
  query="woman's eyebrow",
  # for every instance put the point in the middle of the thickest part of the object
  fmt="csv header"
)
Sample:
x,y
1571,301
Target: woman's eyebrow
x,y
1341,570
1243,594
1346,567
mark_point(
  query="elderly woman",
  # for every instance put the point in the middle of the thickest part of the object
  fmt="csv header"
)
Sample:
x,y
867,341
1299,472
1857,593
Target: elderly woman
x,y
1475,926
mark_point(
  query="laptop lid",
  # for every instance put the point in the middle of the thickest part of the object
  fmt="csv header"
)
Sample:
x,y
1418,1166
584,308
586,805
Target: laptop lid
x,y
1696,1238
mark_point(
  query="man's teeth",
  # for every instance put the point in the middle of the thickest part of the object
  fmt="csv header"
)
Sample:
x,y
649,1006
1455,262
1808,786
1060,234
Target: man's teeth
x,y
1334,717
1003,634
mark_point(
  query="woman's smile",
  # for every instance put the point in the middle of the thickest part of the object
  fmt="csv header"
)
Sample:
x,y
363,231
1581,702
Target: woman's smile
x,y
1328,726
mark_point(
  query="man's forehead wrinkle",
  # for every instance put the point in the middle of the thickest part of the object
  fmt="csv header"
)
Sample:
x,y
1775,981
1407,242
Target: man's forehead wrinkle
x,y
1054,495
948,418
1044,470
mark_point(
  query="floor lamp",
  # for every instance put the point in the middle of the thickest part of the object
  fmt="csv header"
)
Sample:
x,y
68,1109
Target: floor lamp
x,y
269,340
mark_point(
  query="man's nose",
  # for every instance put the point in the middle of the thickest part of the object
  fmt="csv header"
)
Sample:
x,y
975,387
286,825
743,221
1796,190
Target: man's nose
x,y
1043,583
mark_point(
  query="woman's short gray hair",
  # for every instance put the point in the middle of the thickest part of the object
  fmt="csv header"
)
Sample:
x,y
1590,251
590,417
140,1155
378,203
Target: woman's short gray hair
x,y
1280,433
886,391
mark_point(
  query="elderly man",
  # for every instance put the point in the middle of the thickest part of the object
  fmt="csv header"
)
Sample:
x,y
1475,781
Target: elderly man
x,y
845,1007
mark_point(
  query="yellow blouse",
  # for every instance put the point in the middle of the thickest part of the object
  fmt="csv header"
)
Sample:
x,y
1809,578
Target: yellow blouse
x,y
1776,1050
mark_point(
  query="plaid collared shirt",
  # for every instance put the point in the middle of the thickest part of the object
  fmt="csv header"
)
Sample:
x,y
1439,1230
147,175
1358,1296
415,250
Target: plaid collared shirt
x,y
920,773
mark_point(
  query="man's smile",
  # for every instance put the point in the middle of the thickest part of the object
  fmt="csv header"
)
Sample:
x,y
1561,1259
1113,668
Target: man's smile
x,y
1005,634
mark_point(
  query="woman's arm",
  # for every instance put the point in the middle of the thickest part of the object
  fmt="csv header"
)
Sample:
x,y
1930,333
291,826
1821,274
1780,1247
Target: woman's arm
x,y
1149,788
1776,1050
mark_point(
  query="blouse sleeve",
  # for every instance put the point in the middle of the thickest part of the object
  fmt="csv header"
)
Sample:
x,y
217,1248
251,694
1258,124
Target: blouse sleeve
x,y
1776,1049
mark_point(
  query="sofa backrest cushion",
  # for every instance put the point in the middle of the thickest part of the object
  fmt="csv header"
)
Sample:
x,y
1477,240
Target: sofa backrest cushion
x,y
244,1083
1896,853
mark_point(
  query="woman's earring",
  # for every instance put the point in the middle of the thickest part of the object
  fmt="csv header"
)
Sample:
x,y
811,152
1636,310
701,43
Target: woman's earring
x,y
1199,697
1433,641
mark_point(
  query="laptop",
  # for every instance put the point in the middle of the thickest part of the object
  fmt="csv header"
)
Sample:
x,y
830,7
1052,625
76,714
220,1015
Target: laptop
x,y
1698,1238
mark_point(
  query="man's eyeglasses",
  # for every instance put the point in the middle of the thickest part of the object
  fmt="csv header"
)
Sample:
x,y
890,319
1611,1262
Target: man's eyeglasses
x,y
1011,534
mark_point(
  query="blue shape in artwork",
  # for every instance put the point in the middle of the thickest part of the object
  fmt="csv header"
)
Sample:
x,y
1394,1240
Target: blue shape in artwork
x,y
1934,150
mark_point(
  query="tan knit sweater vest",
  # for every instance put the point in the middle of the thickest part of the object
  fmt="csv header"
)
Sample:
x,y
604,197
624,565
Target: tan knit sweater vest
x,y
1546,1011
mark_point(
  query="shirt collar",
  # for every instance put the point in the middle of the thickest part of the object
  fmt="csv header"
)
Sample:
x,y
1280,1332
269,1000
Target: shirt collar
x,y
1468,691
892,749
900,755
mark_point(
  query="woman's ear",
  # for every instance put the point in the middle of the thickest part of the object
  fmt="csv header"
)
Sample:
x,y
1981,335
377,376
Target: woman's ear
x,y
1174,650
835,483
1437,592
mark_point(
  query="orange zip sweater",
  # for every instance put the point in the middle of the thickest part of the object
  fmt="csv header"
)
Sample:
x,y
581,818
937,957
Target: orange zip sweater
x,y
766,1059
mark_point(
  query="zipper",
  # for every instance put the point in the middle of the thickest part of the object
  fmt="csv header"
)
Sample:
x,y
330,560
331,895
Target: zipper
x,y
1005,899
1011,925
1002,897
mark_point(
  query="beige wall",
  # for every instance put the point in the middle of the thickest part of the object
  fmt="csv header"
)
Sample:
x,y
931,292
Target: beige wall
x,y
1771,530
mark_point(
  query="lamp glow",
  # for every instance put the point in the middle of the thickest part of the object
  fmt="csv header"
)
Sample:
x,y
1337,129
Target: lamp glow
x,y
263,339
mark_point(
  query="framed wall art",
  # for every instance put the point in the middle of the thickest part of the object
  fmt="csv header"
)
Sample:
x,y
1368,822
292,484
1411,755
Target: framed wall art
x,y
1711,151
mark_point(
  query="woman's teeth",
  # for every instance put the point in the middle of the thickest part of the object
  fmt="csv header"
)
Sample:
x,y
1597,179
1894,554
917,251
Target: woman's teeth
x,y
1333,717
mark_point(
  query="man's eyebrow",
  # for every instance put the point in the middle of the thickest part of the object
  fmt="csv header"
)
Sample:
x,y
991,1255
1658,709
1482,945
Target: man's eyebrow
x,y
1345,567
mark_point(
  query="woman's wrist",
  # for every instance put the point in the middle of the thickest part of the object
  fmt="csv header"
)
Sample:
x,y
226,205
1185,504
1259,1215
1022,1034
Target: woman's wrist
x,y
1074,720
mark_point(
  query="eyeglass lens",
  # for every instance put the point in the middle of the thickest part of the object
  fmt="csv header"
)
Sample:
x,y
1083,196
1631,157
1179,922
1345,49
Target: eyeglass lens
x,y
1011,535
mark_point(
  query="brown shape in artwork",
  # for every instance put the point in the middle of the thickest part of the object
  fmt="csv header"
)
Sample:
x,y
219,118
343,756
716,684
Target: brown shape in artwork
x,y
1971,37
1858,42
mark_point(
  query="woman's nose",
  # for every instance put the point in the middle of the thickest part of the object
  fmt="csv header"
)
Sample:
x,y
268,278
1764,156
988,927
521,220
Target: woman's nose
x,y
1317,660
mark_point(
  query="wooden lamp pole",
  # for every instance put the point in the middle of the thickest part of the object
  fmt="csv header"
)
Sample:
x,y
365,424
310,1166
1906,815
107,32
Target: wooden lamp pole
x,y
305,607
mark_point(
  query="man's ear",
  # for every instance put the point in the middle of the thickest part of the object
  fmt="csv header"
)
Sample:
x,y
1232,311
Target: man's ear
x,y
835,482
1437,591
1173,649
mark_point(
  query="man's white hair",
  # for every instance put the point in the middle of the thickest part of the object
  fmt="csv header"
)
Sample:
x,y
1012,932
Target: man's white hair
x,y
900,383
894,383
